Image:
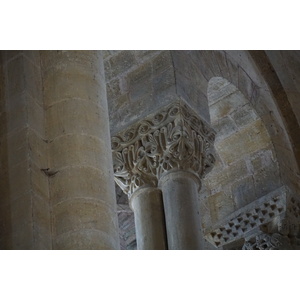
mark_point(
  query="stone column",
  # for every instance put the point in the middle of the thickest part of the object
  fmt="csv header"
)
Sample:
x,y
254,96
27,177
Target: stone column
x,y
24,207
175,148
80,165
149,219
181,203
134,177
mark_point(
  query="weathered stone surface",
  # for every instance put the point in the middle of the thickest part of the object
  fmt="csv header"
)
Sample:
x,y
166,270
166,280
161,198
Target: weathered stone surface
x,y
80,159
246,140
247,220
221,205
253,98
121,62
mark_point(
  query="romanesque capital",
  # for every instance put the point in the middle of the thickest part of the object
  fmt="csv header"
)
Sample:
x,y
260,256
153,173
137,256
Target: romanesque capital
x,y
174,138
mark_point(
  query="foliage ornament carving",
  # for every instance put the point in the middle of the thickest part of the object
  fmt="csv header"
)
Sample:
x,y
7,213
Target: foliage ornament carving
x,y
173,138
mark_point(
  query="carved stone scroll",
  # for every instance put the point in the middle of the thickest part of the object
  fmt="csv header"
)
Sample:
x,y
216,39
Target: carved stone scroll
x,y
174,138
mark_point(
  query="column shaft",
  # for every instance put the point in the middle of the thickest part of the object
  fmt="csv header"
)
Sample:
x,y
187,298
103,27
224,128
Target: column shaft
x,y
80,164
180,197
149,219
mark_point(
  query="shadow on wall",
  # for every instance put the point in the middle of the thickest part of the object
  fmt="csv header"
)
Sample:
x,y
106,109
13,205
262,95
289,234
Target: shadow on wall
x,y
246,166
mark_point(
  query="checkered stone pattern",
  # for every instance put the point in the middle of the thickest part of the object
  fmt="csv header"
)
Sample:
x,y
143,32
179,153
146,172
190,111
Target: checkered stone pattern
x,y
248,220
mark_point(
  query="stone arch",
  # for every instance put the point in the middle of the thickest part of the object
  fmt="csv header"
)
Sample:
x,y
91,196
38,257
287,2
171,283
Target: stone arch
x,y
254,77
246,164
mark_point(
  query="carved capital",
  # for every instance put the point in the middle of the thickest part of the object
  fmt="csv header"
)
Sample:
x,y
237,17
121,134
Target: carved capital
x,y
174,138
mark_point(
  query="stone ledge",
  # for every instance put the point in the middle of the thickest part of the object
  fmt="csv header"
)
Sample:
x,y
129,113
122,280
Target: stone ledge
x,y
247,220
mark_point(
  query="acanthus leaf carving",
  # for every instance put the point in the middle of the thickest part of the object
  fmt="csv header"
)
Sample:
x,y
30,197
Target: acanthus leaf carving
x,y
174,138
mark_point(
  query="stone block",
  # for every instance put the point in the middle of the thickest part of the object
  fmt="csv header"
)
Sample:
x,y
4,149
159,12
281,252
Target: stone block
x,y
82,182
220,58
38,149
143,55
16,150
162,62
243,191
8,55
23,76
86,240
266,180
39,181
21,211
117,105
41,242
36,116
216,181
244,115
62,86
81,213
233,69
224,127
221,205
22,237
204,60
79,150
261,159
16,115
107,71
140,82
82,62
121,62
245,84
15,79
106,54
244,142
185,63
237,170
76,117
41,219
19,180
219,88
227,105
163,81
113,89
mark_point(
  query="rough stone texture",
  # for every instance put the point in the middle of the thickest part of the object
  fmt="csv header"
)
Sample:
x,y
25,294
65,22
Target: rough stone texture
x,y
263,132
79,170
25,211
270,222
246,167
254,154
139,83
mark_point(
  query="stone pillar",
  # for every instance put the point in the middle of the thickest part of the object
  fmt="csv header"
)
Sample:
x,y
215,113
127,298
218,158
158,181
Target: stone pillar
x,y
175,148
149,219
181,203
25,221
80,166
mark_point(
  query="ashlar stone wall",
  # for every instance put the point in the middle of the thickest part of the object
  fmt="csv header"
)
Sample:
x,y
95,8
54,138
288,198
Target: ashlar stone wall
x,y
246,167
